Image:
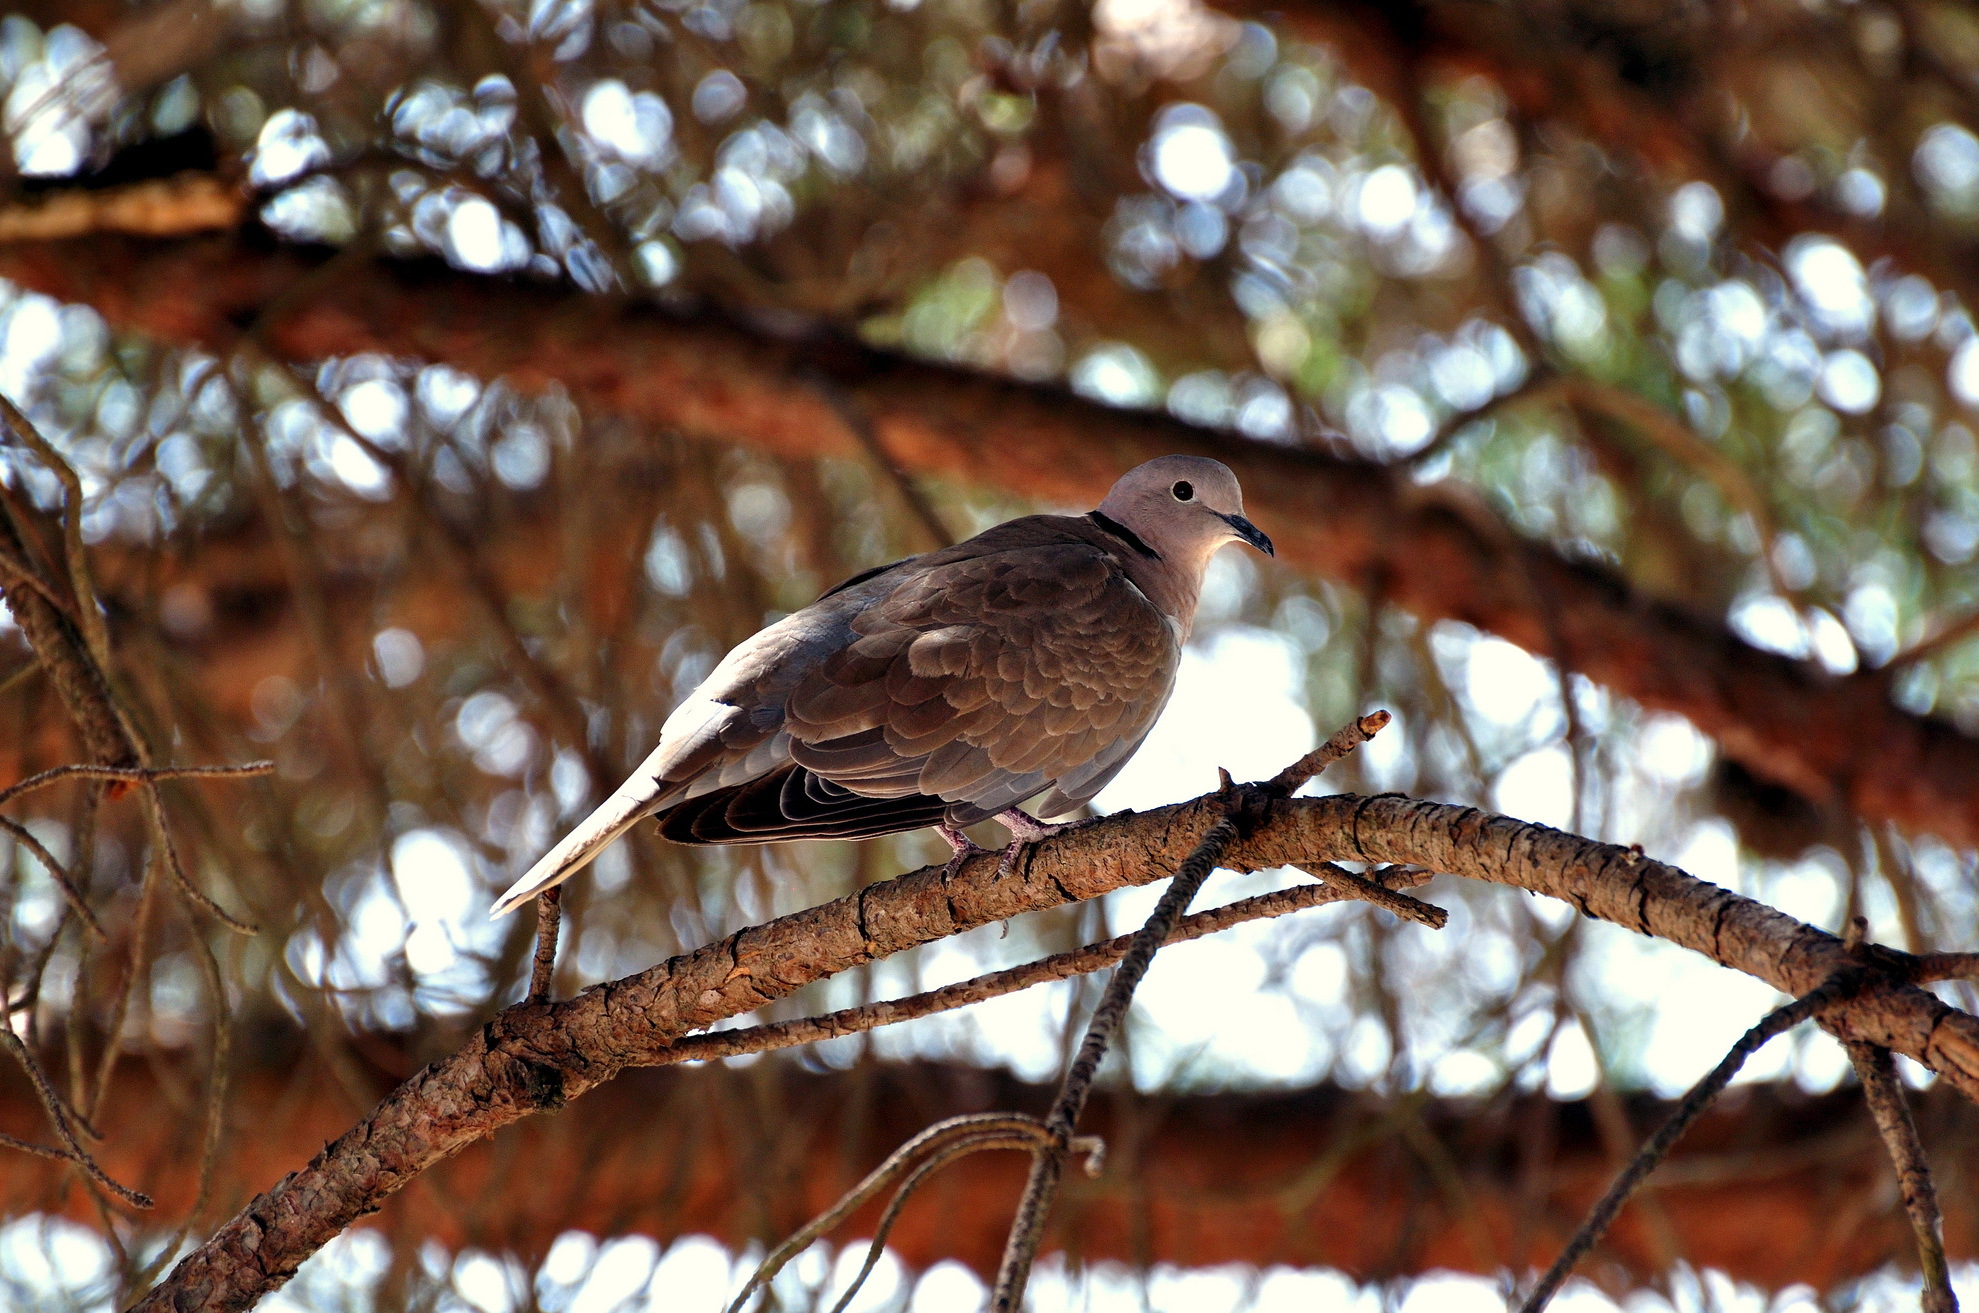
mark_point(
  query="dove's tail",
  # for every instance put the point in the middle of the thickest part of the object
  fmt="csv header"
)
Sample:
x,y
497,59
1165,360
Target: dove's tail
x,y
636,798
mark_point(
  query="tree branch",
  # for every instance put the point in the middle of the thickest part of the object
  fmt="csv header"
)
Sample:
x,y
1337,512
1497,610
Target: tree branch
x,y
532,1058
1884,1095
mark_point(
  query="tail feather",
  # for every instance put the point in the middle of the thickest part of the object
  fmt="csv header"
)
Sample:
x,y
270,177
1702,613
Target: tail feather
x,y
636,798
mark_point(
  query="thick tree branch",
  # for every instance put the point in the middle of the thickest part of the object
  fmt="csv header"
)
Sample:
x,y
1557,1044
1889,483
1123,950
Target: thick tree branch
x,y
1832,739
1315,1177
534,1058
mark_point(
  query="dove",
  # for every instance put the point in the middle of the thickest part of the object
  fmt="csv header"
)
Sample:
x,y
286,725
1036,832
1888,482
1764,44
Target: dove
x,y
941,690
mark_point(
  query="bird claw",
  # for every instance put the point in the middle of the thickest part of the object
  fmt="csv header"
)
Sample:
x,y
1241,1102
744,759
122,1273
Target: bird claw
x,y
1026,832
964,848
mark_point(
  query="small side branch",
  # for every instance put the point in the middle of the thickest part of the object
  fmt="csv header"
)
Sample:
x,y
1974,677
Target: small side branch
x,y
1884,1094
916,1161
65,1120
1047,1163
1837,989
549,916
718,1044
132,774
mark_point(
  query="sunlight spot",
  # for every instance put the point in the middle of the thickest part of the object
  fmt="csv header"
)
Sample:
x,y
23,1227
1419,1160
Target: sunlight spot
x,y
1849,382
1192,156
1387,201
474,236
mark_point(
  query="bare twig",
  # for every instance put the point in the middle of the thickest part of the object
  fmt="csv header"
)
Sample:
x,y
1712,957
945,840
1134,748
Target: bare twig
x,y
860,426
1952,635
23,836
140,958
1945,966
16,572
216,1080
1294,777
1383,896
1881,1090
1060,966
60,1116
60,647
1027,1228
938,1144
133,774
1835,990
87,614
161,834
35,1150
549,914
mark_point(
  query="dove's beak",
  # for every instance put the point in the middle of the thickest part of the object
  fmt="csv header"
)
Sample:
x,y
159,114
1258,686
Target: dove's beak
x,y
1250,533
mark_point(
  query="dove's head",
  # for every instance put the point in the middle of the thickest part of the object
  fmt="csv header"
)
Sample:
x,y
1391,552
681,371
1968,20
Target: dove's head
x,y
1184,507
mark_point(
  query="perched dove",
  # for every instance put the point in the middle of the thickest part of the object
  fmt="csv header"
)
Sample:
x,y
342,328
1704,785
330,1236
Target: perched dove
x,y
943,689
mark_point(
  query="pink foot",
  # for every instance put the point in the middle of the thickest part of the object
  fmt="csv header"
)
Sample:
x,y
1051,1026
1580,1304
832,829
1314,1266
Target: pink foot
x,y
962,846
1025,830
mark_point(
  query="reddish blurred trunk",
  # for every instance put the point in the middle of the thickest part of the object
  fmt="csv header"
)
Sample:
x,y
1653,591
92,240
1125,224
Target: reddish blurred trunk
x,y
1774,1187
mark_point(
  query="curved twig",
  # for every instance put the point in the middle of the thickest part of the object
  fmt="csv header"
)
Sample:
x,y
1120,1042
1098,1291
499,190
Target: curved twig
x,y
1835,990
23,836
938,1144
133,774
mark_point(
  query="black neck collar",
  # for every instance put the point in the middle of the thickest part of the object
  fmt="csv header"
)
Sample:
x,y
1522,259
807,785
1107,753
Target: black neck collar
x,y
1124,534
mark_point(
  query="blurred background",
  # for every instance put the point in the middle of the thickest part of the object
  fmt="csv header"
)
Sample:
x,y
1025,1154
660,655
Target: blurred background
x,y
451,382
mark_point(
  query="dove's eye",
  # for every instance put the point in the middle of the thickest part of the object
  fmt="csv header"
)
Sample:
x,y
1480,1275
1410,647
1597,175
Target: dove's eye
x,y
1183,491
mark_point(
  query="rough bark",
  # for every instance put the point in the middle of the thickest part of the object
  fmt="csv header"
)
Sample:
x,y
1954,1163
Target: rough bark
x,y
1830,739
1776,1188
535,1058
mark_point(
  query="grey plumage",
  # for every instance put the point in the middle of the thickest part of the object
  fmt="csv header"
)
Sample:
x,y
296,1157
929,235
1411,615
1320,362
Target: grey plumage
x,y
944,689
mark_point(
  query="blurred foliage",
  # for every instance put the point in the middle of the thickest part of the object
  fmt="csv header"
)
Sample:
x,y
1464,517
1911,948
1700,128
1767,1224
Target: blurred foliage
x,y
1443,240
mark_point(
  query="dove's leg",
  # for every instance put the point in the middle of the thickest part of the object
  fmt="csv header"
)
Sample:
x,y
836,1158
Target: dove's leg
x,y
1025,830
964,847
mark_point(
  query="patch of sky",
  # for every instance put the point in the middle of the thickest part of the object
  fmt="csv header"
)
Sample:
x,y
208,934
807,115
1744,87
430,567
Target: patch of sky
x,y
57,92
1116,374
1946,163
1190,155
1832,286
749,192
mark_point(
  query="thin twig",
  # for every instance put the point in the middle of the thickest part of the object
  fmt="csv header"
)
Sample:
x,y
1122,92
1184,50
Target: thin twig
x,y
1387,899
1880,1088
549,914
87,614
719,1044
20,675
24,837
1836,989
1294,777
976,1131
131,773
1027,1228
161,834
1953,634
860,425
60,1116
14,567
36,1150
1091,1146
140,959
216,1080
